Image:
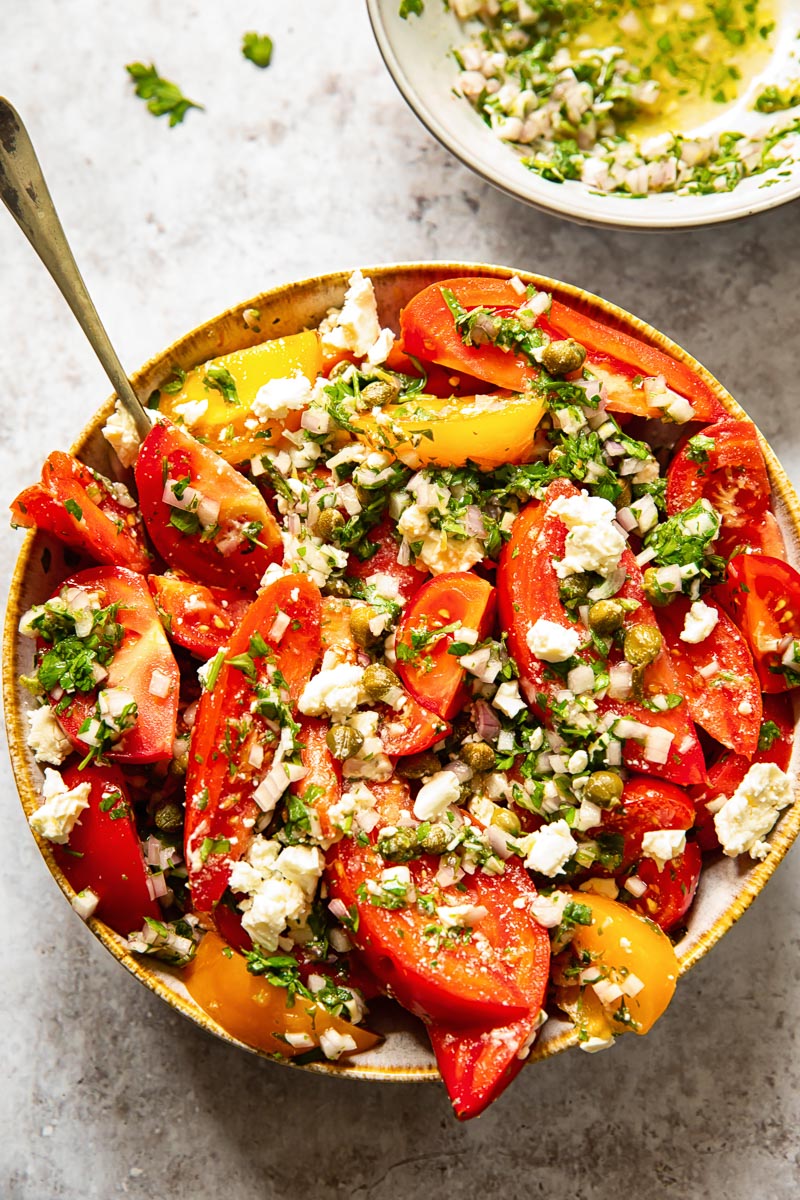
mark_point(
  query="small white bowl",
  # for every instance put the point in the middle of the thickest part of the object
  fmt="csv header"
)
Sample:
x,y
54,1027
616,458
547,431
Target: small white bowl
x,y
417,51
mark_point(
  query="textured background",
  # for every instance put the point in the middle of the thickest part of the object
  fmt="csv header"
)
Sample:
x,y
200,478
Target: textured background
x,y
312,165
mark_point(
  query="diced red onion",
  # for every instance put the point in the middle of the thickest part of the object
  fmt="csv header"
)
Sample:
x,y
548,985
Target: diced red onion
x,y
338,909
614,449
189,498
625,729
295,772
558,764
610,585
645,556
159,684
348,498
657,744
462,772
627,519
404,554
614,754
583,613
473,522
487,723
630,466
709,669
498,840
315,420
229,542
207,512
505,741
293,524
271,788
190,713
157,885
620,678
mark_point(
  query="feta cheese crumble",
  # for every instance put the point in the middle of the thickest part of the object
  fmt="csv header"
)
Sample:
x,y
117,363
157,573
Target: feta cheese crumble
x,y
120,433
278,397
56,818
46,738
549,849
701,621
594,542
356,326
662,845
552,642
436,796
278,884
334,693
750,813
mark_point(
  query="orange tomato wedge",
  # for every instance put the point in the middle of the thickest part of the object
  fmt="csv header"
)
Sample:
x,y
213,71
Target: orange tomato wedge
x,y
622,949
223,425
254,1011
488,430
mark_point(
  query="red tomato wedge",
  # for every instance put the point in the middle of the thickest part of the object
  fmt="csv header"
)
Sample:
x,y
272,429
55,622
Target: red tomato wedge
x,y
105,854
220,806
225,535
762,595
198,618
323,783
429,332
478,1065
447,602
438,380
647,804
731,474
440,978
670,891
725,775
528,588
144,650
406,730
647,360
716,677
80,508
384,562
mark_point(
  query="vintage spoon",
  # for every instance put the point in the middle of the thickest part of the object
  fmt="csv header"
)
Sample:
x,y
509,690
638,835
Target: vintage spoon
x,y
25,195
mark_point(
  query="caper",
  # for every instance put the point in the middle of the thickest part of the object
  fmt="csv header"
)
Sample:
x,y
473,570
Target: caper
x,y
360,617
435,839
642,645
379,393
169,816
506,820
364,496
573,590
606,617
653,589
417,766
477,755
338,588
562,358
377,681
625,496
339,368
399,845
603,788
328,520
343,741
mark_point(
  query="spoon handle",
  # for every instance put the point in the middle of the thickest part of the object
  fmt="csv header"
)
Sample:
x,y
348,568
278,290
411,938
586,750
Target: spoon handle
x,y
24,192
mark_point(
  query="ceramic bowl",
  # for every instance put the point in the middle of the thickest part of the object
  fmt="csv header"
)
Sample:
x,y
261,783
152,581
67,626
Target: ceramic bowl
x,y
417,52
727,886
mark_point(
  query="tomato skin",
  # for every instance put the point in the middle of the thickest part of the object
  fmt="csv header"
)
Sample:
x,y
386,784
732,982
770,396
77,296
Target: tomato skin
x,y
725,775
670,892
762,595
727,703
434,676
106,530
324,772
144,648
111,862
527,588
646,804
254,1011
734,479
168,452
198,618
384,562
451,983
218,806
429,332
648,360
439,381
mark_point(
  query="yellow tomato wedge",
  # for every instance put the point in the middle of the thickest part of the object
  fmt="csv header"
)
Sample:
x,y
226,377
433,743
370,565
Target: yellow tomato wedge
x,y
428,431
223,426
631,961
254,1011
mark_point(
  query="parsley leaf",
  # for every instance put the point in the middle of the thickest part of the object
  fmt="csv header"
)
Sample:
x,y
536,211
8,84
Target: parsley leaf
x,y
162,96
221,380
257,47
768,734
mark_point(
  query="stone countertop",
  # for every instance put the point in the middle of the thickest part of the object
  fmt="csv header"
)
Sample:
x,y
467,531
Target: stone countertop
x,y
312,165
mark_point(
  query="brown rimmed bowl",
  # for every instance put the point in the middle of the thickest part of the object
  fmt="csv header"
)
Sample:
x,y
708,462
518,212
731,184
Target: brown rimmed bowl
x,y
727,886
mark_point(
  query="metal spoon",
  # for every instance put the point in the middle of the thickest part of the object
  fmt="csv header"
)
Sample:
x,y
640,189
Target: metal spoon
x,y
25,195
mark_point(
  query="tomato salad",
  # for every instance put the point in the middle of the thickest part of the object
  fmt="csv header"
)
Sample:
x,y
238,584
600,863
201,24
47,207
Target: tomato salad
x,y
428,666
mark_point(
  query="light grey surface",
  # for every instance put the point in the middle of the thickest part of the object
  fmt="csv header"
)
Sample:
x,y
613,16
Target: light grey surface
x,y
311,165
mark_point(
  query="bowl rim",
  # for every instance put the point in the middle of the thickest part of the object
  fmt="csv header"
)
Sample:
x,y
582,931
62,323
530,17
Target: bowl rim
x,y
574,207
758,874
